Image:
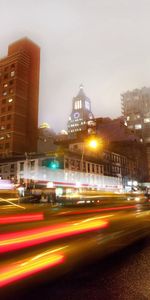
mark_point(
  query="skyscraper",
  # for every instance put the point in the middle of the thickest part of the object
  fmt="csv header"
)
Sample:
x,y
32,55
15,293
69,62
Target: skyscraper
x,y
81,118
19,95
136,111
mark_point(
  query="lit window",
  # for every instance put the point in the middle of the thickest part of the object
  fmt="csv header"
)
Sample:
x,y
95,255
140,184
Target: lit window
x,y
1,137
4,93
128,118
147,120
138,126
2,127
12,74
78,104
11,91
10,100
5,85
138,116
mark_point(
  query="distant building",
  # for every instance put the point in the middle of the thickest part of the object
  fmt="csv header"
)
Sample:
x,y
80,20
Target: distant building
x,y
116,137
136,112
19,96
81,119
46,137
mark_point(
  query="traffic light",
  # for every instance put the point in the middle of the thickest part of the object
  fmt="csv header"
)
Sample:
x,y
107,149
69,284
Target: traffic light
x,y
51,163
54,164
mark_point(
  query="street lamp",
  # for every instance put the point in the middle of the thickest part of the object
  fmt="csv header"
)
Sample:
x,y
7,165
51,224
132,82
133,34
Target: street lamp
x,y
93,144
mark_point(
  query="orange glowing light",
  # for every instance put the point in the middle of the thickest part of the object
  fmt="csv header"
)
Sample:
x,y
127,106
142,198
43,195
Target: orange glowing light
x,y
19,270
21,239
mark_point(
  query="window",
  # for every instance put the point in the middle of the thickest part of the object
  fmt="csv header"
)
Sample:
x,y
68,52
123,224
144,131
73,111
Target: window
x,y
3,118
3,109
9,117
8,126
10,100
32,164
2,127
6,145
3,101
4,93
22,166
138,126
11,91
9,108
5,85
147,120
11,82
6,76
78,104
12,74
8,135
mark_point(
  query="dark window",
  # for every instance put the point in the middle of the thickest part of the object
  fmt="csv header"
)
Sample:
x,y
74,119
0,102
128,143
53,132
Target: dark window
x,y
6,145
11,82
8,126
3,118
32,164
9,117
22,166
6,76
3,109
9,108
3,101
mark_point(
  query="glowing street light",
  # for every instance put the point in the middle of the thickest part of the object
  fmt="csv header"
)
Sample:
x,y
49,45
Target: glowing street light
x,y
93,144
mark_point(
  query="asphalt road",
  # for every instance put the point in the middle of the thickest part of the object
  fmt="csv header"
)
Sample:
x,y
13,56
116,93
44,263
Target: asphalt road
x,y
124,275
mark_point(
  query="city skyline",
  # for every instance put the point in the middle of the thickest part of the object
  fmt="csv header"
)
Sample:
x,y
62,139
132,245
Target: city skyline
x,y
100,44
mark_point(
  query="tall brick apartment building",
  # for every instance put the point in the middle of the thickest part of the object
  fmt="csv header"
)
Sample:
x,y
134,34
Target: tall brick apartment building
x,y
19,96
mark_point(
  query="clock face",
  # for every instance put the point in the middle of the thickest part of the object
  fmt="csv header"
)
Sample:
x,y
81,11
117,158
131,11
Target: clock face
x,y
76,115
87,105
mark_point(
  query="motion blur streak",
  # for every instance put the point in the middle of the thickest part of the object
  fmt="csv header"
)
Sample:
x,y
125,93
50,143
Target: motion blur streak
x,y
97,210
12,203
22,239
22,218
19,270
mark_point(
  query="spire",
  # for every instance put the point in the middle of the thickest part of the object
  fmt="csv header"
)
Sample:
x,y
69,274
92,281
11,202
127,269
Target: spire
x,y
81,91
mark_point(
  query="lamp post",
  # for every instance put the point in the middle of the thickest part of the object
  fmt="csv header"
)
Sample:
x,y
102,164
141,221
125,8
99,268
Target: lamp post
x,y
93,144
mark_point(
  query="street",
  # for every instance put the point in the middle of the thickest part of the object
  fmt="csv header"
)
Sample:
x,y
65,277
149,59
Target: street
x,y
76,253
121,276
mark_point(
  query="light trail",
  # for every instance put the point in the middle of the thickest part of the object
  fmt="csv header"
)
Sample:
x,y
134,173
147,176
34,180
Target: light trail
x,y
12,203
28,238
97,210
21,218
25,268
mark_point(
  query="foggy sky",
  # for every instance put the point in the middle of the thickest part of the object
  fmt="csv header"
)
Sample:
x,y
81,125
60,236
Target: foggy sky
x,y
103,44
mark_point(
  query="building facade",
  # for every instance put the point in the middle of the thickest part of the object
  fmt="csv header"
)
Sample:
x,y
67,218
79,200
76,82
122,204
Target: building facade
x,y
81,119
19,95
136,112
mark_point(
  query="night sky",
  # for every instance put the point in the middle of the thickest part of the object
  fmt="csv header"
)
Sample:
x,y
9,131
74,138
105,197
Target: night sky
x,y
103,44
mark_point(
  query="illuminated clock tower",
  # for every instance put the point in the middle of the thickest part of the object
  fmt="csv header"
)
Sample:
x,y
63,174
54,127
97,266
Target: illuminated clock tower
x,y
81,118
